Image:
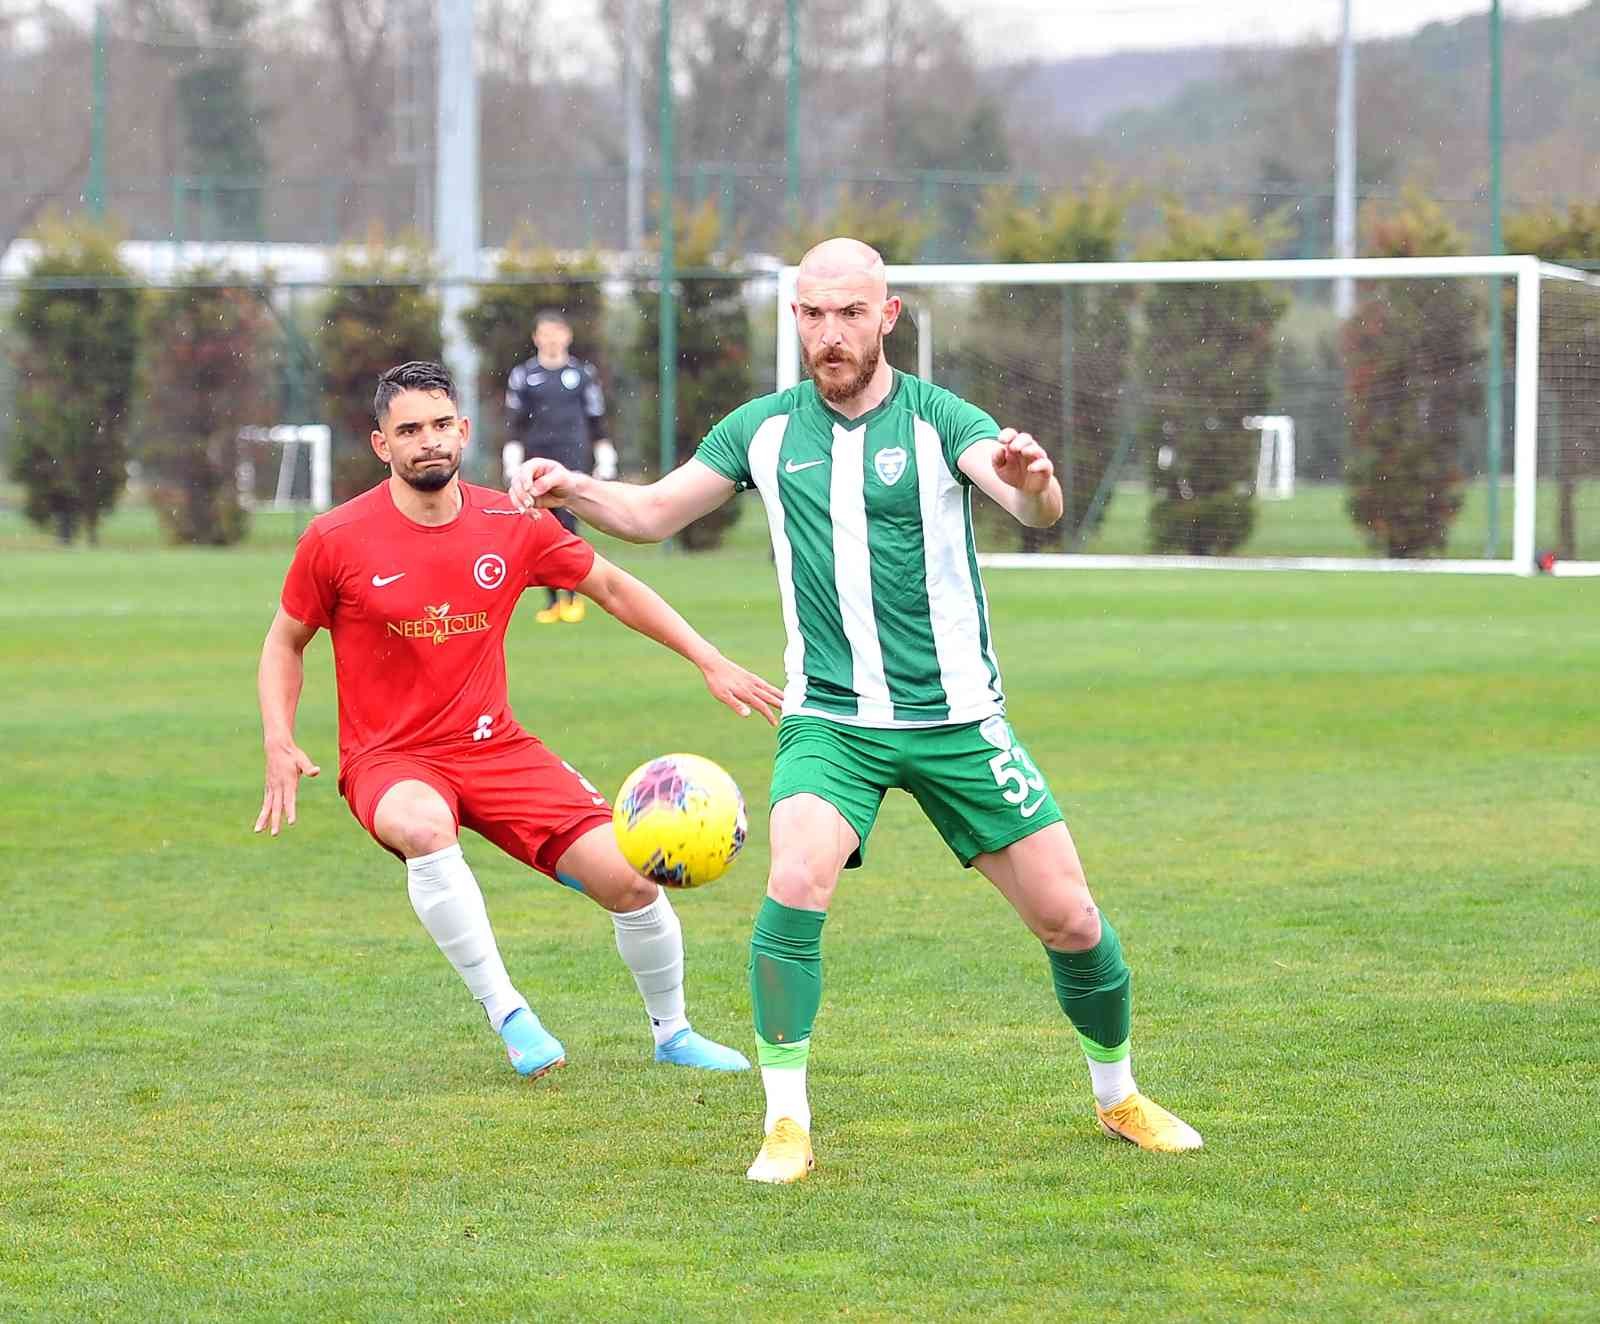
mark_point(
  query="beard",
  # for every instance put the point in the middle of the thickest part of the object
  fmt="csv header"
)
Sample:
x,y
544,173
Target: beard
x,y
434,478
836,390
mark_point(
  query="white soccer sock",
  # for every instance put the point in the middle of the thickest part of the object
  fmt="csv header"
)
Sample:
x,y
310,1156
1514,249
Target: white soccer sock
x,y
1112,1081
650,942
786,1095
446,898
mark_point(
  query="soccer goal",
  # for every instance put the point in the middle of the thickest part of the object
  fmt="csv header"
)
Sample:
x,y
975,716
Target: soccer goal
x,y
285,467
1222,415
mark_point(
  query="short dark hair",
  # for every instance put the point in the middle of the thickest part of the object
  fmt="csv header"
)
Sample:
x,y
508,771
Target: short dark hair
x,y
550,315
418,375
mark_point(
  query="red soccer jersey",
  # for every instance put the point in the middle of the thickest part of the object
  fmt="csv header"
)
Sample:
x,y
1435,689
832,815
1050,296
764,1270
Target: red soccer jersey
x,y
418,614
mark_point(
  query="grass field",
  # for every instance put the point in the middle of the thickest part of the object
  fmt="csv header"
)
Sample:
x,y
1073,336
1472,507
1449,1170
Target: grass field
x,y
1346,825
1314,523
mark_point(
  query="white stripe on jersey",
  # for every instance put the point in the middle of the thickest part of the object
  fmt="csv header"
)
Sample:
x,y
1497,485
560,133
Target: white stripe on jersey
x,y
852,574
763,461
952,604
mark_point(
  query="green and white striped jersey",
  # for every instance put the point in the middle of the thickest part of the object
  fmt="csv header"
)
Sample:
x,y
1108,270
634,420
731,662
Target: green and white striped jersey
x,y
871,524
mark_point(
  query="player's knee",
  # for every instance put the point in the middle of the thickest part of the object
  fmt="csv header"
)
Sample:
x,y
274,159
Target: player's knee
x,y
795,884
633,891
1073,927
421,834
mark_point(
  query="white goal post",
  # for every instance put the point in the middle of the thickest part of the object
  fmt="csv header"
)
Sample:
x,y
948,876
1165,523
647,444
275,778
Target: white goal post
x,y
1528,273
317,439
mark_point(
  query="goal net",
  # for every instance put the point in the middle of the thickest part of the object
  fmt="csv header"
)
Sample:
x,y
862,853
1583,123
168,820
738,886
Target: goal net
x,y
1221,414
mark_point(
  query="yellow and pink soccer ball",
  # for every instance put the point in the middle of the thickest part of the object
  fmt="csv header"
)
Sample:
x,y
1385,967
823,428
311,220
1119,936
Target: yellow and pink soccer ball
x,y
680,820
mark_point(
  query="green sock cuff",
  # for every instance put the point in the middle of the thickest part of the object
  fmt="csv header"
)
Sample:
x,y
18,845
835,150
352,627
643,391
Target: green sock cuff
x,y
787,925
788,1057
1093,989
786,973
1098,964
1097,1053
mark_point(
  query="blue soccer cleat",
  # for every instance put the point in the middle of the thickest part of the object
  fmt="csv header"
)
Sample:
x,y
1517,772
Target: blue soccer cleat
x,y
533,1050
688,1049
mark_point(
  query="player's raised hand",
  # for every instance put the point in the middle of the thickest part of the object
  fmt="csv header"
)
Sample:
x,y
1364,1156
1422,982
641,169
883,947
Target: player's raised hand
x,y
539,483
286,764
1021,462
742,690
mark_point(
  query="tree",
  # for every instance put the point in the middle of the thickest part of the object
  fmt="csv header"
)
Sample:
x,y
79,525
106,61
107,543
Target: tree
x,y
713,356
1208,358
500,320
1411,356
204,383
221,121
1052,359
363,33
379,314
78,338
888,227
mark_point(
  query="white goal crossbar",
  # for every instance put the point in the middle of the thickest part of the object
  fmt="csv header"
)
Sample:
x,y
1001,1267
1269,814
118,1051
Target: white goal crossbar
x,y
1528,272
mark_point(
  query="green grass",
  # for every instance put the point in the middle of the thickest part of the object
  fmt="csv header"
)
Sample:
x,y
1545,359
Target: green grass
x,y
1313,523
1346,826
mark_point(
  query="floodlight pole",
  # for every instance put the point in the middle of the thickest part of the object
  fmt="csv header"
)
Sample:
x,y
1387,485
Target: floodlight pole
x,y
457,226
791,137
667,363
633,114
94,191
1493,405
1344,186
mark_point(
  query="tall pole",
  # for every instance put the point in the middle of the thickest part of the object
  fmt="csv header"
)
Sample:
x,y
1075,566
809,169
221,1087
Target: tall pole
x,y
667,367
791,137
1496,423
457,226
633,114
94,192
1344,187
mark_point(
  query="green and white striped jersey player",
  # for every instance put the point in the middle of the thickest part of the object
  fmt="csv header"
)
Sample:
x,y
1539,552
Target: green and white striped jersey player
x,y
866,475
871,523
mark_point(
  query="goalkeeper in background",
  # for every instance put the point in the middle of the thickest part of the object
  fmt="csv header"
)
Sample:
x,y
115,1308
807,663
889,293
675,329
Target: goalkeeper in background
x,y
555,407
866,474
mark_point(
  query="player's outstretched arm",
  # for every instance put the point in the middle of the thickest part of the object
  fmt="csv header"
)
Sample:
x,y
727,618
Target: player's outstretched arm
x,y
278,682
631,511
1016,472
641,608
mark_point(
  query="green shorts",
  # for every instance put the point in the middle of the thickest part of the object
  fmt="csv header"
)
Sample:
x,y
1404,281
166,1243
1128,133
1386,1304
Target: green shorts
x,y
975,782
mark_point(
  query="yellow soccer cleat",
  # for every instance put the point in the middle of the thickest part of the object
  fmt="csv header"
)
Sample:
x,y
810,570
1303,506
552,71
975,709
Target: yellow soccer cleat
x,y
572,612
1144,1122
785,1155
548,615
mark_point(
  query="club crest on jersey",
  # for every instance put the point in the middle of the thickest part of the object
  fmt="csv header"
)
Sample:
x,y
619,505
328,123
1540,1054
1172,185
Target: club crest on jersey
x,y
489,570
570,377
890,464
996,731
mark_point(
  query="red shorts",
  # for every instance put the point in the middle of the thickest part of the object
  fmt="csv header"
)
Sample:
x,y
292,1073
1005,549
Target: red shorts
x,y
510,789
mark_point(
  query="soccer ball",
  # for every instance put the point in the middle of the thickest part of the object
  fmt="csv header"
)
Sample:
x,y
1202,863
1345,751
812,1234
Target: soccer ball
x,y
680,820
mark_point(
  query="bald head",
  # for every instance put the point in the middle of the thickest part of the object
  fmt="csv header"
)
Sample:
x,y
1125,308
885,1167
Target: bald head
x,y
845,261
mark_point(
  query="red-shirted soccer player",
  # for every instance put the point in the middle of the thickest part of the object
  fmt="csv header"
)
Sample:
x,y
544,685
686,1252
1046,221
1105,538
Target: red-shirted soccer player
x,y
416,580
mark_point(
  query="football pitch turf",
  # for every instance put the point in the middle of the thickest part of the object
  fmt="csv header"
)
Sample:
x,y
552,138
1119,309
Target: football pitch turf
x,y
1346,826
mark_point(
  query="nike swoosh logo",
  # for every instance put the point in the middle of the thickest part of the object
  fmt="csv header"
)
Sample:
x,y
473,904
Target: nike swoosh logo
x,y
1028,811
378,581
793,468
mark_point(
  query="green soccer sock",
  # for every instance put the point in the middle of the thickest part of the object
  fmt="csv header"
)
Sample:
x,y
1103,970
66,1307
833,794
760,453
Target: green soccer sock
x,y
1093,988
785,981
